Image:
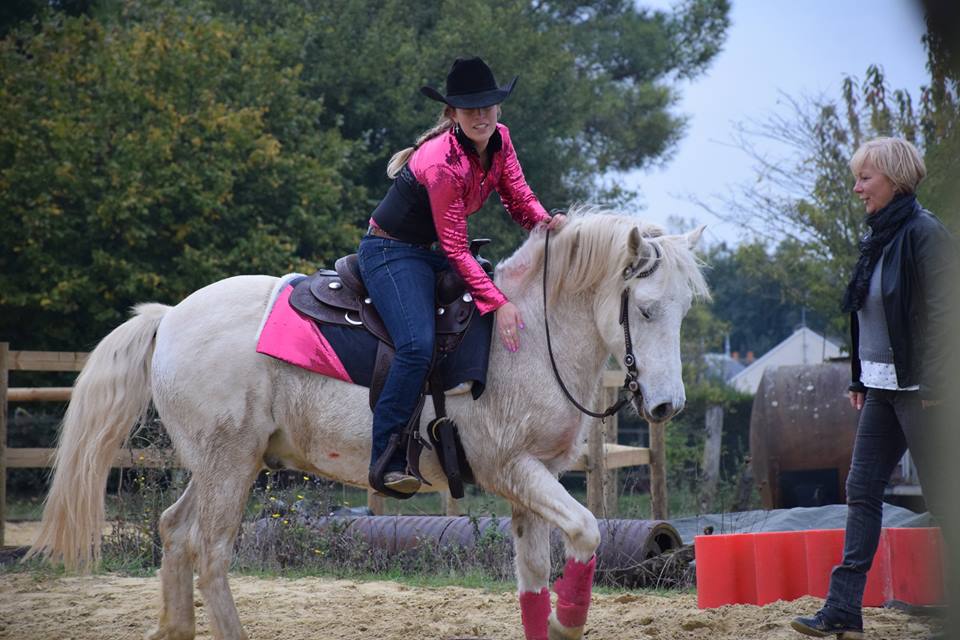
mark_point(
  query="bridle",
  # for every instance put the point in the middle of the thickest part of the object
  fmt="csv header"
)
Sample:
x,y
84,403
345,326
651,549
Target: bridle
x,y
630,384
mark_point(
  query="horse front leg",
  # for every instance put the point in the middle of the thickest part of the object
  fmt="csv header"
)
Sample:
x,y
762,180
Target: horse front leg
x,y
529,484
531,544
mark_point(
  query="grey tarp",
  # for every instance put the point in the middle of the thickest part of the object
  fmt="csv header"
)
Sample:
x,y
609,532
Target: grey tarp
x,y
832,516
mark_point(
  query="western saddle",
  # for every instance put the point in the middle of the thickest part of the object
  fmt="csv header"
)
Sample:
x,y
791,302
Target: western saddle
x,y
339,297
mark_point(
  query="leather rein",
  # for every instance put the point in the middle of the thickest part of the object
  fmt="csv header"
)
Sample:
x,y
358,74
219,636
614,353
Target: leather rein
x,y
630,384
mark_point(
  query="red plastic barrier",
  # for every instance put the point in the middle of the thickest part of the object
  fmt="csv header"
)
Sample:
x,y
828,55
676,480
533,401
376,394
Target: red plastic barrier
x,y
728,565
823,549
759,568
917,552
780,559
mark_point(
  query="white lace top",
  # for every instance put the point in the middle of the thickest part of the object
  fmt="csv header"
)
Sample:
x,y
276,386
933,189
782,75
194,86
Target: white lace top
x,y
881,375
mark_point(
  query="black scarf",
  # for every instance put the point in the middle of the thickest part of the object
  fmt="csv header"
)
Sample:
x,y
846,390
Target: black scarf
x,y
884,224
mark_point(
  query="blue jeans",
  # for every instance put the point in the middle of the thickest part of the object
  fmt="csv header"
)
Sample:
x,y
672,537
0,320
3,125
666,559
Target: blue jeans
x,y
401,281
890,422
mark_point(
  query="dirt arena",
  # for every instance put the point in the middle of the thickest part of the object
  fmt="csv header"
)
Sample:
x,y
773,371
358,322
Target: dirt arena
x,y
112,607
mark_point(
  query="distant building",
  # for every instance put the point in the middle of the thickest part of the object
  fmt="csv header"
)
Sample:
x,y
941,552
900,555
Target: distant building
x,y
804,346
721,366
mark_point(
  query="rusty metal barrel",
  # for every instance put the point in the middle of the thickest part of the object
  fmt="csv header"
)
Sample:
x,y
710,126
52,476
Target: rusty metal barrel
x,y
802,429
624,544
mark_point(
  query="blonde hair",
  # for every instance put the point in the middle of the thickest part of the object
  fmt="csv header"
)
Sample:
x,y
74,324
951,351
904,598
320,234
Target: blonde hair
x,y
444,124
895,158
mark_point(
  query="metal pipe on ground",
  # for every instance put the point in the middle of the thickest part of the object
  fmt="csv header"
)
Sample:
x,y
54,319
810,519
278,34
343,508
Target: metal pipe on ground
x,y
624,544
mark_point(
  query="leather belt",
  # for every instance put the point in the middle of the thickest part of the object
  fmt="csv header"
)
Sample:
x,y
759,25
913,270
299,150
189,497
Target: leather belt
x,y
380,233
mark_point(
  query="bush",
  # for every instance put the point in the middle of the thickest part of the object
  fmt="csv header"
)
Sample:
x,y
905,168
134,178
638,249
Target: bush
x,y
145,158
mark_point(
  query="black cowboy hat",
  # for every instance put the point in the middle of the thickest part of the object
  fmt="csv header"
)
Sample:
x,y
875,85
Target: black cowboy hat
x,y
470,85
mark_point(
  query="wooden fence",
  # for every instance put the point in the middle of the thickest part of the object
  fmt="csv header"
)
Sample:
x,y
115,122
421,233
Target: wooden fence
x,y
600,462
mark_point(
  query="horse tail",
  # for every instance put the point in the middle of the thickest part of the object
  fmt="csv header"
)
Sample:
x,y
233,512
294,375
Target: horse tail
x,y
111,395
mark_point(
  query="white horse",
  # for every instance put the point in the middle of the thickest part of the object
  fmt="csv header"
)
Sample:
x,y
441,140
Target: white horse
x,y
227,409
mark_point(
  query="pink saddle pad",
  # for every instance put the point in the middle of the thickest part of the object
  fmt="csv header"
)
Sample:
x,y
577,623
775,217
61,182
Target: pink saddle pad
x,y
292,337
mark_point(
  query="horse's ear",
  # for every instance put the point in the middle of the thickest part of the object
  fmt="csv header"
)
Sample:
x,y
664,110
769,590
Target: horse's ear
x,y
693,237
634,240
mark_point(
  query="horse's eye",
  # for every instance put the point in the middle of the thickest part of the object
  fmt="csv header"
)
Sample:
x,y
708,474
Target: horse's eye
x,y
645,313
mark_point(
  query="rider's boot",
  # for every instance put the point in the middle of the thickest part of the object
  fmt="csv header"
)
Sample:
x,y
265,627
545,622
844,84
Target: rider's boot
x,y
400,481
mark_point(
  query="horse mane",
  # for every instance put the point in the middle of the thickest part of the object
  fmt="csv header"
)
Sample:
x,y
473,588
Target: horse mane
x,y
590,249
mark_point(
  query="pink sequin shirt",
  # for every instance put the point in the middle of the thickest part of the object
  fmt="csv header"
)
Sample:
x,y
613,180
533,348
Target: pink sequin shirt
x,y
458,186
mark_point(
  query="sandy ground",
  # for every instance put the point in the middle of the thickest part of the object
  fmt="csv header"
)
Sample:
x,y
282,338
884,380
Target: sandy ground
x,y
110,607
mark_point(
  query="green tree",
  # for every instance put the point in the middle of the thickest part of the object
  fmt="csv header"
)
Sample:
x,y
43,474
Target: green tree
x,y
804,204
940,192
148,148
763,295
595,92
15,12
141,162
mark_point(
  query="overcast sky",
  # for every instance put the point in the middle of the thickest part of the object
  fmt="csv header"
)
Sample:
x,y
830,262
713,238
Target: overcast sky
x,y
796,47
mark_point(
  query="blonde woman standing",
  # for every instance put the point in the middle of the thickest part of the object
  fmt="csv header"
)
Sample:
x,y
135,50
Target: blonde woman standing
x,y
900,304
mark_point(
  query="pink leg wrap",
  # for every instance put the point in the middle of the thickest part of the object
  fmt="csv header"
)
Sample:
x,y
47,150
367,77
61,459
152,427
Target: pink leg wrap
x,y
573,590
534,611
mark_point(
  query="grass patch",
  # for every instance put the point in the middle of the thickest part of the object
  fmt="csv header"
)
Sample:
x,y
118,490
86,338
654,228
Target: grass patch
x,y
286,531
470,579
21,508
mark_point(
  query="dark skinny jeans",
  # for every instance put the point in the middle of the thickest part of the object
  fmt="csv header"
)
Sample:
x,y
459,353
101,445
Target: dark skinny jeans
x,y
890,423
401,281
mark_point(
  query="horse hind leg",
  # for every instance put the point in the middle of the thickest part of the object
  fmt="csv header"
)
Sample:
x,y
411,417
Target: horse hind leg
x,y
177,620
222,492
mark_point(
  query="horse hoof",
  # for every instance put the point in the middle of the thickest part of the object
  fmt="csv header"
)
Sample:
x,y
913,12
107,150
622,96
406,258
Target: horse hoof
x,y
160,633
557,631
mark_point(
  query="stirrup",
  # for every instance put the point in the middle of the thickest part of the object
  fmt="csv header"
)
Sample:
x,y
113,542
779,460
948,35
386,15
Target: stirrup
x,y
379,470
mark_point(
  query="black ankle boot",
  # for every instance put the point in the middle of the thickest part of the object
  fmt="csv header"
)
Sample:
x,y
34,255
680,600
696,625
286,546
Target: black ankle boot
x,y
822,625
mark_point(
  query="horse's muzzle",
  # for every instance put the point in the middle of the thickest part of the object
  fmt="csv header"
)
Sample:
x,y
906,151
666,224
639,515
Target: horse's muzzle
x,y
659,413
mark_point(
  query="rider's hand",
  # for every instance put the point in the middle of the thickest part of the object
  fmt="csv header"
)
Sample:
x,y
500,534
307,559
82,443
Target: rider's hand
x,y
509,324
856,399
556,221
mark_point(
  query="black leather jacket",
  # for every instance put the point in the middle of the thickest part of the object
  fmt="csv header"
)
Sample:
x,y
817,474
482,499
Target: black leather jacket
x,y
917,285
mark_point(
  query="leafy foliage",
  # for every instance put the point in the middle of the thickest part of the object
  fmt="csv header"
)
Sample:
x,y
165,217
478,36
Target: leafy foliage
x,y
763,295
804,205
16,12
685,436
594,90
941,107
148,148
143,161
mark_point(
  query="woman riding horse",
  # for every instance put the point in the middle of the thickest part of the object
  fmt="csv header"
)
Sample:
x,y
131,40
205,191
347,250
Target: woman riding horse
x,y
228,410
420,229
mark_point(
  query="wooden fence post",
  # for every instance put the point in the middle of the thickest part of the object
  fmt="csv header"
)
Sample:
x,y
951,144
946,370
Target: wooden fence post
x,y
610,434
4,381
658,472
450,505
744,486
595,470
601,481
711,457
376,503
